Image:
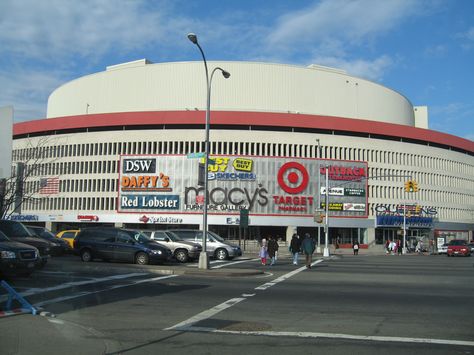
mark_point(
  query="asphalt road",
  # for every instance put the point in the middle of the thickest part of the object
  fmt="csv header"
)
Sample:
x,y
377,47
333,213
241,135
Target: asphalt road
x,y
344,305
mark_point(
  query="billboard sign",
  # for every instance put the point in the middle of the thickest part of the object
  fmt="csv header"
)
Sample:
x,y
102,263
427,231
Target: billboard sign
x,y
261,185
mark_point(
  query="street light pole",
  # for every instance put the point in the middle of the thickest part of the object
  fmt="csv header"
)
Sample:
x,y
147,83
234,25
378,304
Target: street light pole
x,y
318,248
203,257
326,222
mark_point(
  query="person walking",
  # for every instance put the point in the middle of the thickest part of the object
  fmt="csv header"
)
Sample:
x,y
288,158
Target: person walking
x,y
263,253
355,247
295,247
272,250
308,246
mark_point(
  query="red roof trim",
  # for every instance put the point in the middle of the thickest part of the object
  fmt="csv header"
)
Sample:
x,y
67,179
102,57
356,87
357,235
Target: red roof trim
x,y
241,118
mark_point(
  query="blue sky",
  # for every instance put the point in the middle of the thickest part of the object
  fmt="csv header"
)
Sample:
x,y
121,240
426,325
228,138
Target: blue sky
x,y
423,49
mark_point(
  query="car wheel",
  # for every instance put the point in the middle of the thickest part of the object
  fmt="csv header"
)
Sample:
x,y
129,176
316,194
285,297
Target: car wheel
x,y
141,259
86,255
181,255
221,254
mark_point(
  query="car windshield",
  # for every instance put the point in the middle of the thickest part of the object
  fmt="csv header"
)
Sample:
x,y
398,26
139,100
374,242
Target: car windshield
x,y
173,237
217,237
139,237
3,237
17,230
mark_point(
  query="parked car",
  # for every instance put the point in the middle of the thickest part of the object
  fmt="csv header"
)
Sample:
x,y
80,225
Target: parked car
x,y
181,249
216,246
58,246
68,236
110,243
471,245
443,249
458,247
16,258
17,232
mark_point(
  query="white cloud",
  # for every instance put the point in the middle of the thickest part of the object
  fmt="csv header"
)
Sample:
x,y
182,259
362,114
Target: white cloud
x,y
347,20
64,29
454,117
28,91
368,69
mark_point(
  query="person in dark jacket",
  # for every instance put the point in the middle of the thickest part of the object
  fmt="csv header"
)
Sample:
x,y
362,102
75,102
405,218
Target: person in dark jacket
x,y
295,248
272,249
308,246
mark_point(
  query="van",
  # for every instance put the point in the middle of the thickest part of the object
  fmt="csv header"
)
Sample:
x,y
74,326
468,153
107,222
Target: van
x,y
216,246
110,243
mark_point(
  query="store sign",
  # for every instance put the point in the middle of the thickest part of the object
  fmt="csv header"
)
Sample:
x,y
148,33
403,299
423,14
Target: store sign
x,y
137,165
150,202
24,217
88,218
410,210
160,220
262,185
398,221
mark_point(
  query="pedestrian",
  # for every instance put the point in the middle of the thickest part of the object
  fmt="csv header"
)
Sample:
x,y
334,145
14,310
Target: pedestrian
x,y
399,247
387,246
308,246
295,247
263,253
419,248
272,250
355,247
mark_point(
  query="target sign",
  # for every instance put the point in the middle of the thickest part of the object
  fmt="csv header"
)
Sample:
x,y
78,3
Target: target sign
x,y
293,177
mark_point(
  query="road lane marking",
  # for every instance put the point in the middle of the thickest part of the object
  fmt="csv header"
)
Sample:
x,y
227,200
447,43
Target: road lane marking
x,y
114,287
185,325
233,263
285,277
35,291
188,324
376,338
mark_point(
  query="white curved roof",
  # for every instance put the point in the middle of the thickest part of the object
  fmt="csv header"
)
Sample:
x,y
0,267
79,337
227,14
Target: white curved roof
x,y
254,87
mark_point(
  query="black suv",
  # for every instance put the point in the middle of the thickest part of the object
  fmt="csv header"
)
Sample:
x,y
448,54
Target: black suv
x,y
58,246
17,232
16,258
110,243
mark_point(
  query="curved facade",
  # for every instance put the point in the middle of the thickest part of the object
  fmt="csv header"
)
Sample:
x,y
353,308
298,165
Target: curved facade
x,y
267,115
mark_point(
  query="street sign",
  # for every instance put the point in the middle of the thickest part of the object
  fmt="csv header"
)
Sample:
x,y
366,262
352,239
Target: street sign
x,y
195,155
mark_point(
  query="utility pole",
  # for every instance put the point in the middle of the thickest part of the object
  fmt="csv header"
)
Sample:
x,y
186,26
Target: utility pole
x,y
326,222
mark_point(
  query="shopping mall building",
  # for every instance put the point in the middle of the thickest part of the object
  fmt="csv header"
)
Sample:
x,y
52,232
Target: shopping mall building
x,y
123,147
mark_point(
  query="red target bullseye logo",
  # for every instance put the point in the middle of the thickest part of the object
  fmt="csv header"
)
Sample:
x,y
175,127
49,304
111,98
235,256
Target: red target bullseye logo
x,y
298,181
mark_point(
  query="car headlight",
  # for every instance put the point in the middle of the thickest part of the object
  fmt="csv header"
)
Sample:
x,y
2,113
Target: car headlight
x,y
7,254
159,252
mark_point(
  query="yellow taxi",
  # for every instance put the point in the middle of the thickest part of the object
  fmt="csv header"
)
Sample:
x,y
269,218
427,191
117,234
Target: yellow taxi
x,y
68,235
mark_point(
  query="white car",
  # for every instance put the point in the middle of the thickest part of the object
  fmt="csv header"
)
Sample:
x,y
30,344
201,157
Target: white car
x,y
443,249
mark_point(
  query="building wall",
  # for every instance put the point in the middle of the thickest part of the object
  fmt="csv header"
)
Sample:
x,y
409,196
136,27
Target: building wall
x,y
87,165
254,87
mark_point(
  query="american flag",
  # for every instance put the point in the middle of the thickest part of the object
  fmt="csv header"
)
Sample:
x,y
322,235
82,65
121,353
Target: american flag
x,y
49,186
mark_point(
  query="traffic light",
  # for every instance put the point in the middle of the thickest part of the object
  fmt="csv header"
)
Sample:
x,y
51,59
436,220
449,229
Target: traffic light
x,y
244,218
318,218
408,185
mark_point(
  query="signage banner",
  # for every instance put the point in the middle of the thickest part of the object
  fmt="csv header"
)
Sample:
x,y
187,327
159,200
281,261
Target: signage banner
x,y
262,185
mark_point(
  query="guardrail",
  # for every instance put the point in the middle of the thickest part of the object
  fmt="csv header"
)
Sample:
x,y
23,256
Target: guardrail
x,y
13,295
